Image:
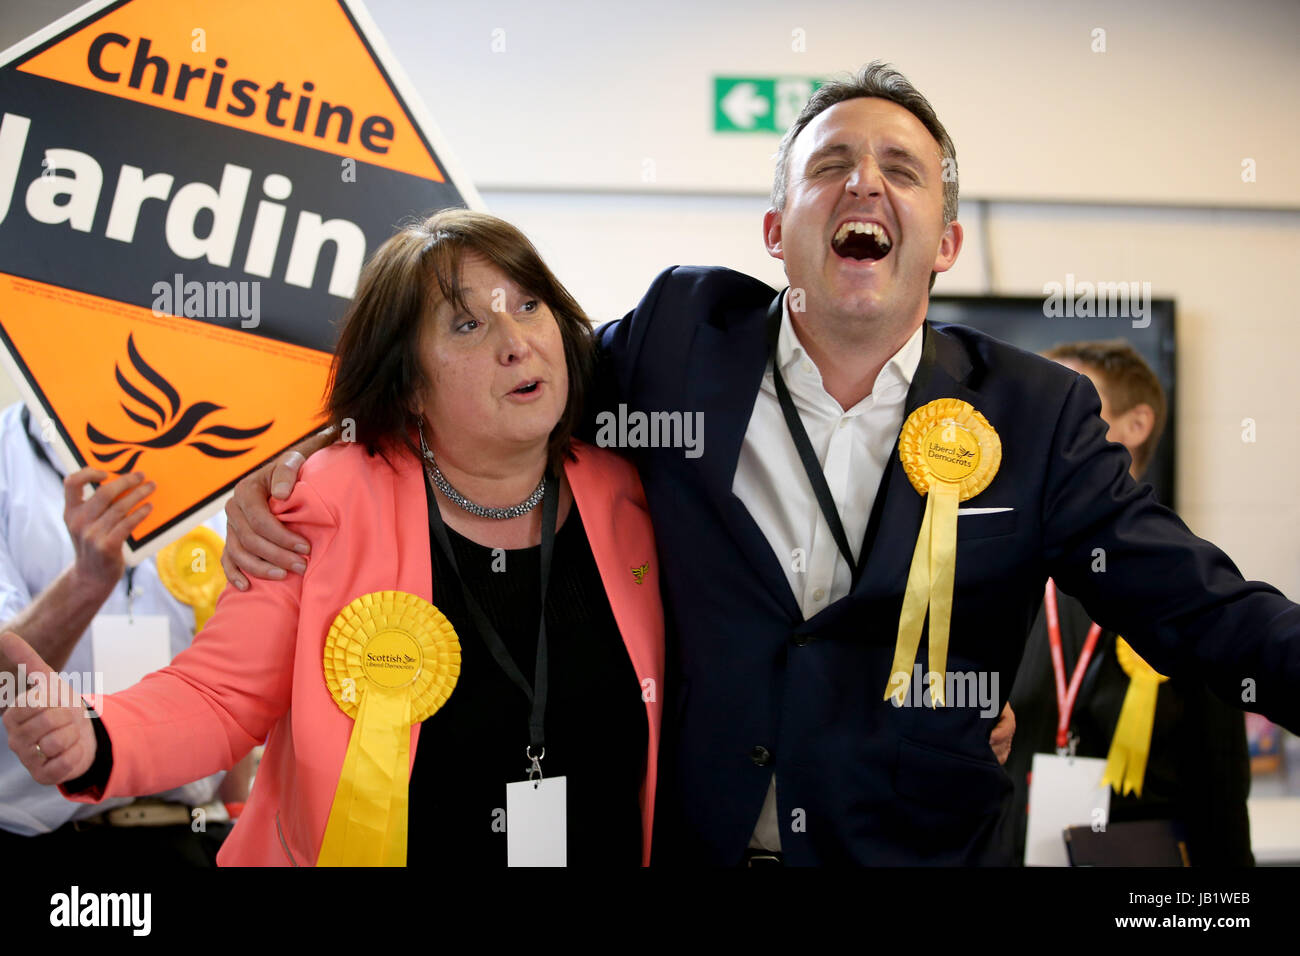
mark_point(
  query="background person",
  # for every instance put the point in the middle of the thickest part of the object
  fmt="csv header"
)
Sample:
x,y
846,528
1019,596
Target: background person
x,y
459,337
61,568
1198,771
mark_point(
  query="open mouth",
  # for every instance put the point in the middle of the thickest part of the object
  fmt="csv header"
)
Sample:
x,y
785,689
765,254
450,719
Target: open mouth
x,y
861,240
527,388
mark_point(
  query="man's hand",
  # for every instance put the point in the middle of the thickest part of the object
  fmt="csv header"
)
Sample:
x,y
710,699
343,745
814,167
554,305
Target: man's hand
x,y
98,525
101,523
238,780
54,743
256,542
1003,731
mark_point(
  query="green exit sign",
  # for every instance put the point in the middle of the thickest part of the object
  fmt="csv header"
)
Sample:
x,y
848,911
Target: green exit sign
x,y
759,104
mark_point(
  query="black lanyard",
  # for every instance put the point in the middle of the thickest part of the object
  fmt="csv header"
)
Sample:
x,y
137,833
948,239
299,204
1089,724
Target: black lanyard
x,y
536,692
40,452
812,468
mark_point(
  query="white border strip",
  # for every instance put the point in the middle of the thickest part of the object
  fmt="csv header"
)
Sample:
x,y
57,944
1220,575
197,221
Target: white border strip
x,y
82,12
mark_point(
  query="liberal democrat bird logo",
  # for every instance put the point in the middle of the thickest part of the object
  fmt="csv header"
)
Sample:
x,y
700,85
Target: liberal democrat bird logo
x,y
639,573
161,413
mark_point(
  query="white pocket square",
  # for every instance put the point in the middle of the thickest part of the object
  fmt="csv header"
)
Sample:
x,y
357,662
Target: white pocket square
x,y
981,511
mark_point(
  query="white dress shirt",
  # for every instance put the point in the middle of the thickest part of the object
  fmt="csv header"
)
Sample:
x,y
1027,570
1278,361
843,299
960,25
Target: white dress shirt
x,y
35,548
853,447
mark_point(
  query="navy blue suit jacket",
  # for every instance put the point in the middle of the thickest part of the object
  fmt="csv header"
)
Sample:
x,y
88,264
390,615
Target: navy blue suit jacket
x,y
754,688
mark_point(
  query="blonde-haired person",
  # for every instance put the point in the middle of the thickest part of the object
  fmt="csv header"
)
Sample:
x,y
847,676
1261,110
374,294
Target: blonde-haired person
x,y
460,369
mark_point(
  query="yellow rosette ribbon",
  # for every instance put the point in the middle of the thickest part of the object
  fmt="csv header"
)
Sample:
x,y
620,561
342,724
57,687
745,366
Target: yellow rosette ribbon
x,y
950,453
190,569
1126,763
391,660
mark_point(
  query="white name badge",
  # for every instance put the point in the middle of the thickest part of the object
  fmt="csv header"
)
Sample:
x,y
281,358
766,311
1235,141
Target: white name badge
x,y
1063,792
124,648
536,823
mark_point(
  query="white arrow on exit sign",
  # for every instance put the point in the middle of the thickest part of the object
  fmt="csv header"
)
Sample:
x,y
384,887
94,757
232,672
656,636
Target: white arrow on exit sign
x,y
743,105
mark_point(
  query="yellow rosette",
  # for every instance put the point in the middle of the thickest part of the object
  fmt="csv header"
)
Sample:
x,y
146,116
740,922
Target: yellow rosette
x,y
950,453
190,569
1126,763
391,660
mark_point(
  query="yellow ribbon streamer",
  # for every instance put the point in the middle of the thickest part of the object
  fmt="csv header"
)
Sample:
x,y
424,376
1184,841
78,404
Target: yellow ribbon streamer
x,y
929,588
916,598
391,660
368,820
1126,763
943,571
949,453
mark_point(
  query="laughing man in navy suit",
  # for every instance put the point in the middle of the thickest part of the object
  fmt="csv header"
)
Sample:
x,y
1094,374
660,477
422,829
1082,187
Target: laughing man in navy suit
x,y
784,573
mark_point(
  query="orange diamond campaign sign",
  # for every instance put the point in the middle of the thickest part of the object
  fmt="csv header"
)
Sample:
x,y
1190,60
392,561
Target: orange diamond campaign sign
x,y
188,191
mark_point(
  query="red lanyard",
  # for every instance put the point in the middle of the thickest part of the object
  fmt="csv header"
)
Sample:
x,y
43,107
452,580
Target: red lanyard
x,y
1065,698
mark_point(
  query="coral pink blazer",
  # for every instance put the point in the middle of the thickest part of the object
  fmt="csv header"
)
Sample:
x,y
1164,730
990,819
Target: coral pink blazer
x,y
255,672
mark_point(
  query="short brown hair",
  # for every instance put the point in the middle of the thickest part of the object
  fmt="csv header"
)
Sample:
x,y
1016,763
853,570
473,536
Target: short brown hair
x,y
376,370
882,81
1129,382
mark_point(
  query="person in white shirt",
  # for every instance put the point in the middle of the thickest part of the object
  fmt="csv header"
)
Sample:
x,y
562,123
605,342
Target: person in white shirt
x,y
61,569
858,442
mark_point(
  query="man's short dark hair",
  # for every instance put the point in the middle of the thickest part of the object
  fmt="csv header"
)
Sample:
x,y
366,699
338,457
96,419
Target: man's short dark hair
x,y
1128,381
882,81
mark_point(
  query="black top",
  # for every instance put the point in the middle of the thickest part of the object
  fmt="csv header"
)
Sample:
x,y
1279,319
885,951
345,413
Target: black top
x,y
596,731
1198,770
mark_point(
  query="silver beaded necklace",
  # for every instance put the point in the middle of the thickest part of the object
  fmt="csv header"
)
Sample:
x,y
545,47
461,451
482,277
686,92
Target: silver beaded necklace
x,y
499,514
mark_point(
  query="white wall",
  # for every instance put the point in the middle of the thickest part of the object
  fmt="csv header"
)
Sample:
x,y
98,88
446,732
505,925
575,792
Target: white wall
x,y
555,129
585,92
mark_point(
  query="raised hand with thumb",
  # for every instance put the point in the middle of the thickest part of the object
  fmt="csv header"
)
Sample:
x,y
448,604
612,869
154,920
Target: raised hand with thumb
x,y
49,728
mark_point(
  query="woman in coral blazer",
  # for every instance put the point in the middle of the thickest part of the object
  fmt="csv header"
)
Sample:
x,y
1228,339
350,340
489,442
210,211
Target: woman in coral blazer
x,y
460,340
